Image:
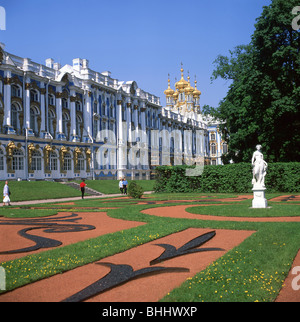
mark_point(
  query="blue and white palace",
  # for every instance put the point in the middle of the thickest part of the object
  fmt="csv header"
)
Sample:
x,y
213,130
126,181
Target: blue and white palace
x,y
61,123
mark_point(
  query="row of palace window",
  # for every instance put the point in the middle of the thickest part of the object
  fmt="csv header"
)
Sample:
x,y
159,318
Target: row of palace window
x,y
34,114
105,109
213,148
36,163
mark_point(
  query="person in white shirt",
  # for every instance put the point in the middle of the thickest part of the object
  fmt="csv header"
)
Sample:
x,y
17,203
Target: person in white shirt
x,y
6,194
121,185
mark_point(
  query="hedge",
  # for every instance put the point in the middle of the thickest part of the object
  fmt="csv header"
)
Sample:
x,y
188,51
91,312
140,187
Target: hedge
x,y
281,177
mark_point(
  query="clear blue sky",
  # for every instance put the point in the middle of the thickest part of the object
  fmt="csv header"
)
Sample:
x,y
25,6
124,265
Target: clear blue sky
x,y
134,39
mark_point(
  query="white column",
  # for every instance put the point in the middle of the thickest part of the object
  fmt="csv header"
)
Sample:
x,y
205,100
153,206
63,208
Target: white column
x,y
128,111
59,109
7,98
98,112
136,120
43,113
122,142
87,114
27,104
144,139
73,114
137,134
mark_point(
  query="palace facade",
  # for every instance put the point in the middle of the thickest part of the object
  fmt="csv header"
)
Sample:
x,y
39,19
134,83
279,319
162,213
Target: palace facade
x,y
61,123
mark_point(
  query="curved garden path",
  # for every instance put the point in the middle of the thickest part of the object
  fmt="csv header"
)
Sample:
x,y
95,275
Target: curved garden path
x,y
62,286
180,212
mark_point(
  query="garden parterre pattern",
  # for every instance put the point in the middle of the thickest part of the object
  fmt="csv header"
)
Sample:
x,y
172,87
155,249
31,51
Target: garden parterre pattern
x,y
144,289
138,257
92,224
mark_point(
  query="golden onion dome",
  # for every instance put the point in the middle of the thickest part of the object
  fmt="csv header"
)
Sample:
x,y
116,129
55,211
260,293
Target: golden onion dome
x,y
196,92
182,84
169,91
175,95
189,89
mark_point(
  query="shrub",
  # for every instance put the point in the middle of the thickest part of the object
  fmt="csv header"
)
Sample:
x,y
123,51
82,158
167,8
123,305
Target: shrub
x,y
135,191
232,178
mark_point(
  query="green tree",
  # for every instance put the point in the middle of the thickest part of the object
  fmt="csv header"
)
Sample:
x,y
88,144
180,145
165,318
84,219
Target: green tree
x,y
263,101
135,191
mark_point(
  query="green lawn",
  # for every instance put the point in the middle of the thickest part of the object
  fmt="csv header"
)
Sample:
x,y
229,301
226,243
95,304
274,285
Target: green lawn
x,y
37,190
253,271
244,210
112,186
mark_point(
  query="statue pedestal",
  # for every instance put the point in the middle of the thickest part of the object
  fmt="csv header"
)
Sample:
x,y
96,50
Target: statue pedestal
x,y
259,200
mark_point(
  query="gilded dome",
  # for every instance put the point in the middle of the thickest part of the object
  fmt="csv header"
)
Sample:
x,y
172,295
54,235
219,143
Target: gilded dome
x,y
182,84
189,89
196,92
175,95
169,91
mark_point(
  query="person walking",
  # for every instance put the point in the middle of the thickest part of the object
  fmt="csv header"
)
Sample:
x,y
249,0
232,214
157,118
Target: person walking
x,y
125,184
6,194
82,188
121,185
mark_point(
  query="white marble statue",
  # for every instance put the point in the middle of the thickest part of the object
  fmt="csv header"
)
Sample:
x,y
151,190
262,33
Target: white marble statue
x,y
259,168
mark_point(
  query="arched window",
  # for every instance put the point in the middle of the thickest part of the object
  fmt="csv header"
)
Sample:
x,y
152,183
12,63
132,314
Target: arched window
x,y
33,119
78,125
67,162
53,161
18,160
213,148
15,122
225,148
172,144
95,127
95,107
65,121
1,160
78,106
111,111
65,103
16,91
80,162
51,99
51,118
100,104
36,163
34,96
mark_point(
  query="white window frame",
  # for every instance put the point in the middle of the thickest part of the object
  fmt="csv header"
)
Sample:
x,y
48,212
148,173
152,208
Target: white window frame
x,y
36,161
67,166
18,160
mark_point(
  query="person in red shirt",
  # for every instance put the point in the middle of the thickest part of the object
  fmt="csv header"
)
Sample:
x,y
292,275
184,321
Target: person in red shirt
x,y
82,188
